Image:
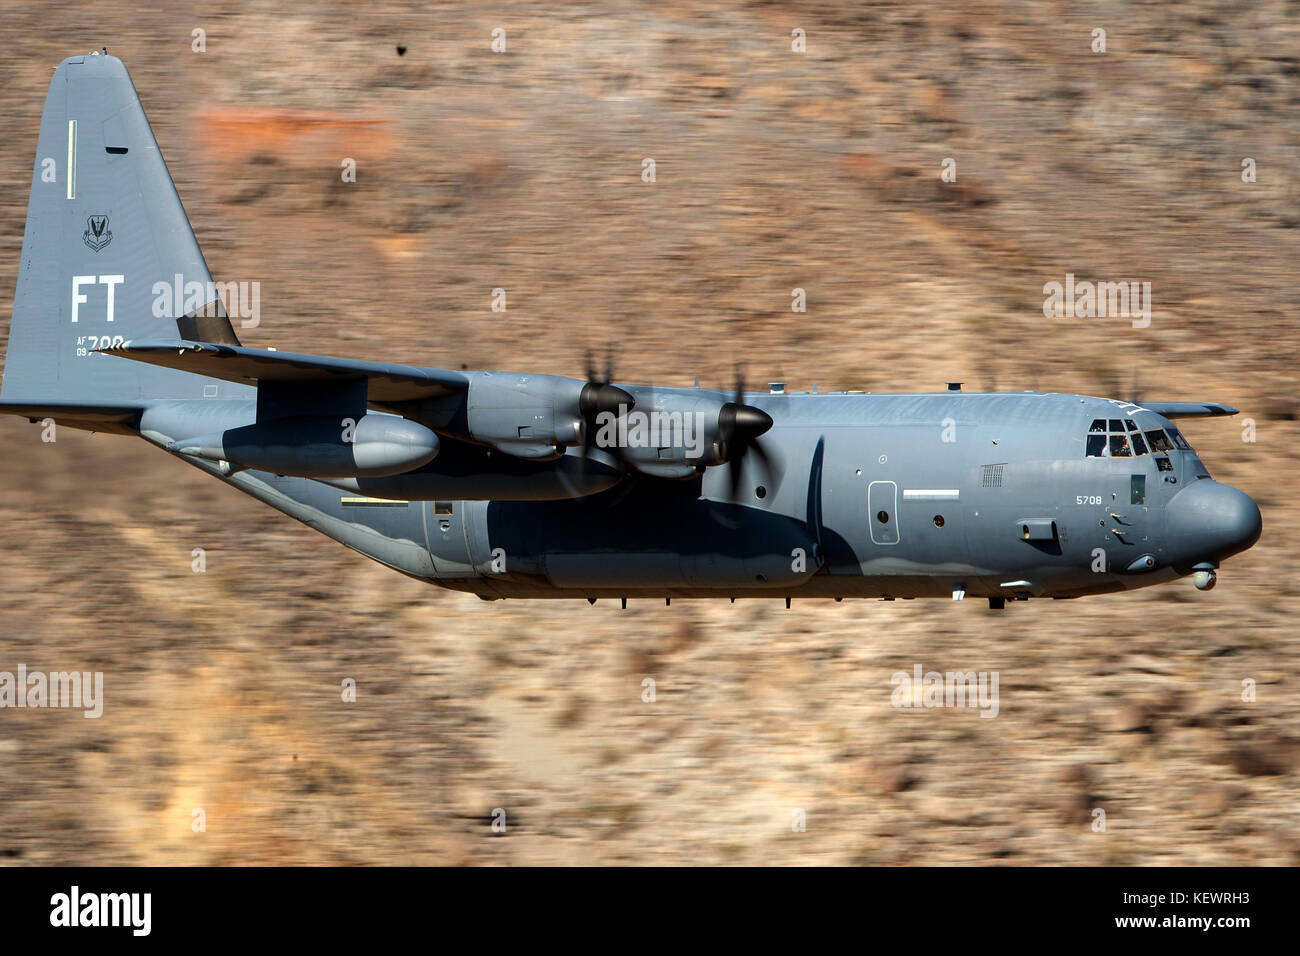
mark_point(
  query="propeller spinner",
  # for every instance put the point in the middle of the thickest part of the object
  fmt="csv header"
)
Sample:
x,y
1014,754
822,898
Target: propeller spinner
x,y
739,428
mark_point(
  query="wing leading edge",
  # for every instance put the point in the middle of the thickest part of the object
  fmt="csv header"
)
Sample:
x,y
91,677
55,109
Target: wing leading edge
x,y
248,366
1189,409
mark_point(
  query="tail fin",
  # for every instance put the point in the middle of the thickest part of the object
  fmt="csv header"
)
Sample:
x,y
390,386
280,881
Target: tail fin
x,y
105,234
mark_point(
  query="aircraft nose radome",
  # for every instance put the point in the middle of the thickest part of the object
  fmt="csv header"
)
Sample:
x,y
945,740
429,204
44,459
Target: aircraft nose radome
x,y
1207,520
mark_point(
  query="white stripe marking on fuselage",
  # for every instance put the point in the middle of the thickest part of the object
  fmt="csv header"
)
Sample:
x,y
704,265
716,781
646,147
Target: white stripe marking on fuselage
x,y
931,494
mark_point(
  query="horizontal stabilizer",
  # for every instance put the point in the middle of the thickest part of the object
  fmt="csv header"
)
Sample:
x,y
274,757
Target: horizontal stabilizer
x,y
116,417
1189,409
386,383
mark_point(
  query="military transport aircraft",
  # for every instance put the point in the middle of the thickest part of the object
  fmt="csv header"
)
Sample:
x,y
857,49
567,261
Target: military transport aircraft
x,y
511,485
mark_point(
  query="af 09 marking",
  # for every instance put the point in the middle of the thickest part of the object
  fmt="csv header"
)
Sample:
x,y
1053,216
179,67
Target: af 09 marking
x,y
87,344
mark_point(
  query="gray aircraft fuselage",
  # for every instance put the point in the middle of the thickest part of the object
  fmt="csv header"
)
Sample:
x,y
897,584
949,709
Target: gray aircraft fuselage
x,y
895,496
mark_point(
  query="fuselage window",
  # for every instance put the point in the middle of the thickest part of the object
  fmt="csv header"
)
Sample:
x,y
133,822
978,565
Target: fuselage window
x,y
1128,423
1098,425
1139,446
1096,446
1179,440
1119,447
1163,463
1116,425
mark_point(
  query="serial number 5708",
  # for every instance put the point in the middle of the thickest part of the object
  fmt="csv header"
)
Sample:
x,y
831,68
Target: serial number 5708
x,y
1087,499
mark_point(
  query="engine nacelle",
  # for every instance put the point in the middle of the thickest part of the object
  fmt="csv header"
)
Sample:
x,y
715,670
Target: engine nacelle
x,y
534,416
671,434
318,447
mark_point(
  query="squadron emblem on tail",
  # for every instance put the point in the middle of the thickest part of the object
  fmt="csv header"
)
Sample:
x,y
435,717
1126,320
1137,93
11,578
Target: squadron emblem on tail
x,y
97,234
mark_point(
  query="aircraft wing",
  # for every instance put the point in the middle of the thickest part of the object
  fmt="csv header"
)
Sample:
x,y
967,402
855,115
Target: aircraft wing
x,y
1189,409
247,366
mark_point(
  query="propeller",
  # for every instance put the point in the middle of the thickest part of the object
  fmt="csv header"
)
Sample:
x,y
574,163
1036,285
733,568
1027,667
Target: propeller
x,y
597,397
739,426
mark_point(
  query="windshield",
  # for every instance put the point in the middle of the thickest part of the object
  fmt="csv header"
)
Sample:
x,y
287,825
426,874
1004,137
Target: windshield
x,y
1178,438
1159,441
1121,438
1124,438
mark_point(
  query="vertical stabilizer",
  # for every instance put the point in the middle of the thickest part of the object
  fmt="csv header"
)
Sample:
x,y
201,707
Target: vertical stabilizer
x,y
105,233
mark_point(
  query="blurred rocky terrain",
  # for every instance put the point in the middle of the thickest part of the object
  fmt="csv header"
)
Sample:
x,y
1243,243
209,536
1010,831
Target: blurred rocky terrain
x,y
775,170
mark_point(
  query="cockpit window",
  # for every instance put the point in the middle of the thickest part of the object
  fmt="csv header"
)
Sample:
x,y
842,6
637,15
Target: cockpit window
x,y
1159,441
1123,438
